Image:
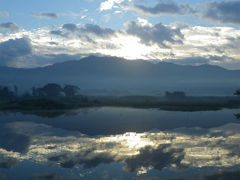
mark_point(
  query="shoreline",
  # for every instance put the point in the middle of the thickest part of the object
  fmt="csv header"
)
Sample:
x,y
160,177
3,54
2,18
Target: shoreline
x,y
188,103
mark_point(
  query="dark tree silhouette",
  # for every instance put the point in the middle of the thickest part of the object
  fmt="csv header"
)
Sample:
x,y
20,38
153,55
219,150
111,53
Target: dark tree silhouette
x,y
50,90
237,115
34,92
237,92
26,94
39,92
15,90
6,92
71,90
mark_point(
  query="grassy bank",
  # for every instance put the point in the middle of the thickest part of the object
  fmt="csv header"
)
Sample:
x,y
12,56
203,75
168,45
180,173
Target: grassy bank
x,y
171,104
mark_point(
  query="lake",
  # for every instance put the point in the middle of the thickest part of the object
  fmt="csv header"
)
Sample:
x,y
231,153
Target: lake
x,y
120,143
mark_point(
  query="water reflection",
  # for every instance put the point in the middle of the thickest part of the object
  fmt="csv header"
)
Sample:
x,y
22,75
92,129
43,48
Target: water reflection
x,y
120,143
43,176
237,115
110,120
140,153
7,163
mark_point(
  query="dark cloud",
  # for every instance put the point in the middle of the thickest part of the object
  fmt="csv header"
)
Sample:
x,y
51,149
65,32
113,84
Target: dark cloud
x,y
9,163
158,158
70,27
103,158
14,142
161,8
158,178
233,43
9,26
53,43
59,33
11,141
56,32
97,30
87,162
88,29
223,175
58,157
224,12
43,176
69,161
158,33
13,49
4,13
46,15
219,58
2,176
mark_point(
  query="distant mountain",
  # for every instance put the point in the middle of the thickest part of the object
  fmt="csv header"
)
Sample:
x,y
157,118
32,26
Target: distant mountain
x,y
117,75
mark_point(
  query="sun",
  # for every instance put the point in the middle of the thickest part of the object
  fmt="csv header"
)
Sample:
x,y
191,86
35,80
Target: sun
x,y
128,47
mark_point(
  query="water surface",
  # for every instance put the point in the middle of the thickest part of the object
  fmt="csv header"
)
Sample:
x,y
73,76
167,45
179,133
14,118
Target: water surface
x,y
120,143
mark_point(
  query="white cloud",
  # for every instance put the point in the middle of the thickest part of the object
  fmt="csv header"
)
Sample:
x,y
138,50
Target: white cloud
x,y
109,4
144,22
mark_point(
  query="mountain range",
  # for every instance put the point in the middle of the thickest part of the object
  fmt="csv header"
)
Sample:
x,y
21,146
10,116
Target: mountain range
x,y
112,75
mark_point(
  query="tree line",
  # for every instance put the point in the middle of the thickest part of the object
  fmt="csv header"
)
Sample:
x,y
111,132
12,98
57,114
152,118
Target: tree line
x,y
56,90
48,90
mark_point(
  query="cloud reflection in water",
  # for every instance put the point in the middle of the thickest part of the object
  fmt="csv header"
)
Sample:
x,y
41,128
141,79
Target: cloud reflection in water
x,y
140,152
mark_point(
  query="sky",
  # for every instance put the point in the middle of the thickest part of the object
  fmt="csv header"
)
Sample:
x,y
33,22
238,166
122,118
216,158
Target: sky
x,y
43,32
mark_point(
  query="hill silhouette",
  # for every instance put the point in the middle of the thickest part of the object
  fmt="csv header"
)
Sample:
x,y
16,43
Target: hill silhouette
x,y
112,74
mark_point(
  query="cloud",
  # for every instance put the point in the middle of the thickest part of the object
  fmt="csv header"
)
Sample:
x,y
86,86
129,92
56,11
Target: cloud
x,y
59,33
223,12
158,158
109,4
70,27
9,163
87,162
46,15
9,26
150,34
88,29
146,41
171,149
53,43
4,14
12,141
162,8
223,175
66,160
13,49
97,30
43,176
2,176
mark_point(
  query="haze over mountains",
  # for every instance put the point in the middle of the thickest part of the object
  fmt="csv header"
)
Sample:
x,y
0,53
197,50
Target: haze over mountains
x,y
116,76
